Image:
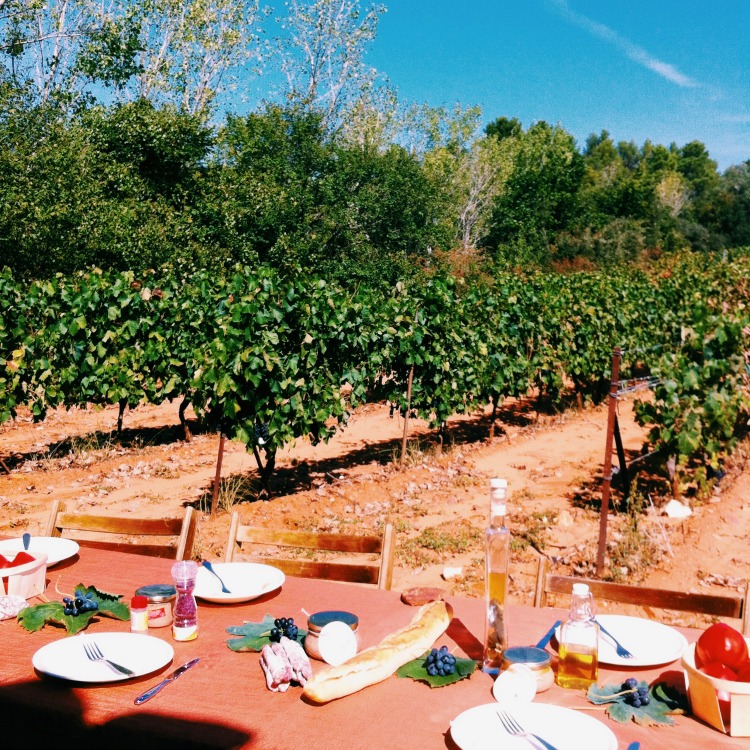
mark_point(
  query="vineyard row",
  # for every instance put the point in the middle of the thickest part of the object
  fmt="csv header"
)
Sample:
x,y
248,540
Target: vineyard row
x,y
293,354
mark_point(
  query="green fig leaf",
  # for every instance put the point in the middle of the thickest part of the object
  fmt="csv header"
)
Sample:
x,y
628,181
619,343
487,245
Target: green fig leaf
x,y
665,702
417,671
36,617
254,635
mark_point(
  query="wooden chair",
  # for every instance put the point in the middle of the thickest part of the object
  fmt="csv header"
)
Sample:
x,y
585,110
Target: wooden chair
x,y
175,535
377,572
707,604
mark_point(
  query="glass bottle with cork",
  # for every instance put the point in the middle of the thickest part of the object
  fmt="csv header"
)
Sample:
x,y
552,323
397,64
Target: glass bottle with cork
x,y
497,557
578,665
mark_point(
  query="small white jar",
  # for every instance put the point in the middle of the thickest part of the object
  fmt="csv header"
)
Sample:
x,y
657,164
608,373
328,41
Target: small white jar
x,y
536,659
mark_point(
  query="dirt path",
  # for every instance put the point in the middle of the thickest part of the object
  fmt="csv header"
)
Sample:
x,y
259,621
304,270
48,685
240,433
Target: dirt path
x,y
437,500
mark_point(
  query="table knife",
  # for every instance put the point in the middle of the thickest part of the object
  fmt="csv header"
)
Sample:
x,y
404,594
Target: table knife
x,y
151,692
548,636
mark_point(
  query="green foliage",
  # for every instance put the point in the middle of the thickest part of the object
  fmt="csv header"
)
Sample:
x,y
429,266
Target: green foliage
x,y
416,670
540,196
255,635
296,352
702,400
666,701
34,618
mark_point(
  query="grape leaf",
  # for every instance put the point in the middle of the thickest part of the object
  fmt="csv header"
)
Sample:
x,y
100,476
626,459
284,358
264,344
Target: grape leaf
x,y
36,617
417,671
665,702
254,635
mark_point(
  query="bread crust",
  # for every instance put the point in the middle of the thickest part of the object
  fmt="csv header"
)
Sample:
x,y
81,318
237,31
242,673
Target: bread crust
x,y
377,663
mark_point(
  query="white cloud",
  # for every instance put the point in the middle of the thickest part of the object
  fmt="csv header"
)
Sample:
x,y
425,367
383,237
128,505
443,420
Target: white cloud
x,y
633,51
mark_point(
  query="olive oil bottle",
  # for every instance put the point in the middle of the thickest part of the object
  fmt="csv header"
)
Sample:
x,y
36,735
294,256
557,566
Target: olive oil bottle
x,y
497,555
578,665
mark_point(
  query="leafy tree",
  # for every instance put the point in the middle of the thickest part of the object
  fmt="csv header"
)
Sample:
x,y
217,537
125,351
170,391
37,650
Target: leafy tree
x,y
733,211
540,197
40,42
182,52
297,197
118,188
503,127
322,54
189,51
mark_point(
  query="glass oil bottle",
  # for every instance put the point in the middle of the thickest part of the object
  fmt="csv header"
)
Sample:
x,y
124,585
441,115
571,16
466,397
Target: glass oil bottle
x,y
497,556
578,665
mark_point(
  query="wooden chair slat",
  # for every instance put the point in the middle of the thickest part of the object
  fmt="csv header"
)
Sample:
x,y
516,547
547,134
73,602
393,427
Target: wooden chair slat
x,y
710,604
351,572
311,540
114,525
178,533
378,572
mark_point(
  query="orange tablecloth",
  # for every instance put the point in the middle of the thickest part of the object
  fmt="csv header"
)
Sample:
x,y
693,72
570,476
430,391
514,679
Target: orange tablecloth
x,y
223,701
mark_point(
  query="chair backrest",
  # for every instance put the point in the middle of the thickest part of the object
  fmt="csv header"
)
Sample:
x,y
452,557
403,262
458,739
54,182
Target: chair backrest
x,y
378,572
707,604
167,537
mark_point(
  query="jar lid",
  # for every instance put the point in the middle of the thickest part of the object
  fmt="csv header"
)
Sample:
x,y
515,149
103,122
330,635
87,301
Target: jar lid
x,y
158,592
317,621
533,657
138,602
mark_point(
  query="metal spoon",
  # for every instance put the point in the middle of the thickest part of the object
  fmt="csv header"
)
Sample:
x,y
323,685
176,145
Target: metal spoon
x,y
207,565
26,540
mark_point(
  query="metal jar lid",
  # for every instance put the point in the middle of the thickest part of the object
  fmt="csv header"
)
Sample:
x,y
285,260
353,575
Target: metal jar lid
x,y
316,622
158,592
531,656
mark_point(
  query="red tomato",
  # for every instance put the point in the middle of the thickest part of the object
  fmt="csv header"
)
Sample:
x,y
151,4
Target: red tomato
x,y
743,673
717,669
721,643
22,557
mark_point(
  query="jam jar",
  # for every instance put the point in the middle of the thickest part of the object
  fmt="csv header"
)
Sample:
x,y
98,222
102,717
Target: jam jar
x,y
160,597
316,622
536,659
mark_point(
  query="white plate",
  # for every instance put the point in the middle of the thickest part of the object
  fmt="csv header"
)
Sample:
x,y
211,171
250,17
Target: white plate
x,y
479,728
66,658
56,548
245,580
651,643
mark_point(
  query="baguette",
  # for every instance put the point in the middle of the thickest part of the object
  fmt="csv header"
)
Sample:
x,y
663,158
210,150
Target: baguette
x,y
377,663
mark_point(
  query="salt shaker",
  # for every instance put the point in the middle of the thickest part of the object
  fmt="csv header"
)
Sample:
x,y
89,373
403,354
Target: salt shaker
x,y
139,614
185,618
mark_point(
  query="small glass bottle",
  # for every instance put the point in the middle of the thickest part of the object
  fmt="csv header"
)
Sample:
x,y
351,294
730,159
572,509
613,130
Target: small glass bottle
x,y
139,614
578,665
185,616
497,557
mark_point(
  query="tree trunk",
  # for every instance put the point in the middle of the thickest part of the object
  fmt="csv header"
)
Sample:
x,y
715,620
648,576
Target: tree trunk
x,y
123,405
185,428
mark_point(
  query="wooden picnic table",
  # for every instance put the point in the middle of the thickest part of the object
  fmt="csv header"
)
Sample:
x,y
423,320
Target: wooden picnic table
x,y
223,701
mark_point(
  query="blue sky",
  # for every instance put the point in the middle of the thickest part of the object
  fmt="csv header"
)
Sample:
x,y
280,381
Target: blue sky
x,y
665,70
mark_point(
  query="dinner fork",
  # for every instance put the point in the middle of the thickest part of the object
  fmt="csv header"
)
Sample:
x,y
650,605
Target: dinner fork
x,y
511,726
95,654
622,652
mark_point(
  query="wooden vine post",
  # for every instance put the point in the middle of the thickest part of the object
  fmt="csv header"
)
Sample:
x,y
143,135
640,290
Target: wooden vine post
x,y
217,477
409,383
607,468
405,437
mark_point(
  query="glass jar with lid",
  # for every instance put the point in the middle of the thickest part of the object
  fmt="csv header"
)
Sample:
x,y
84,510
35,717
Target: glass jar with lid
x,y
161,598
316,624
536,659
